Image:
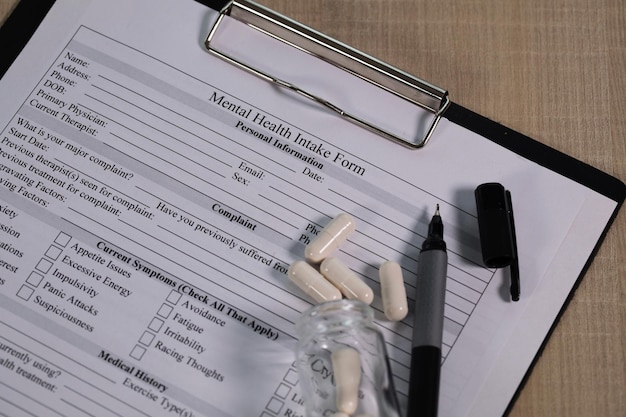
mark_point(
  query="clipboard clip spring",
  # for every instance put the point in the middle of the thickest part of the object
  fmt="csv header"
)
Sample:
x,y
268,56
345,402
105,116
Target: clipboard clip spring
x,y
419,92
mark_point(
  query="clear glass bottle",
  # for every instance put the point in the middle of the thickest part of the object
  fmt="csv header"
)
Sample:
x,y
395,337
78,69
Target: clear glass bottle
x,y
331,326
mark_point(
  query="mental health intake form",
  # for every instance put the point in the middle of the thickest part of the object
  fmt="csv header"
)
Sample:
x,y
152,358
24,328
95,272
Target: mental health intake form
x,y
152,198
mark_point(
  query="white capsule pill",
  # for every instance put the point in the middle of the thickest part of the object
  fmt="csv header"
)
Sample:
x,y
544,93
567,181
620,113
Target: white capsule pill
x,y
347,281
393,291
346,364
334,234
312,282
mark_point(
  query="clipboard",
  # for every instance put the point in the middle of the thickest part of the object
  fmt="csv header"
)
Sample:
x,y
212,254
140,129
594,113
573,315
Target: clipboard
x,y
16,32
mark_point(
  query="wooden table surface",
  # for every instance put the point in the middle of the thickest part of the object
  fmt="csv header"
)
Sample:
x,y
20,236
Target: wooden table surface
x,y
555,71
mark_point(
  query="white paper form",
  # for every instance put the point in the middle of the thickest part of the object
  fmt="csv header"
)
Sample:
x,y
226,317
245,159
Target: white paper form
x,y
152,198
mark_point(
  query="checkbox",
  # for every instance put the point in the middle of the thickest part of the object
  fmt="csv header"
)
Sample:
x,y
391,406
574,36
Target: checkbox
x,y
44,266
53,252
282,391
146,338
291,377
165,311
274,405
156,324
62,239
173,297
138,352
25,292
34,279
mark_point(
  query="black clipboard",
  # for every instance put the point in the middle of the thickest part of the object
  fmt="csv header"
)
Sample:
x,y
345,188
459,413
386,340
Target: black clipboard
x,y
28,14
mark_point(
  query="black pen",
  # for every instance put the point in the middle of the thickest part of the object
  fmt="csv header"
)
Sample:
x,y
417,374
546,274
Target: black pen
x,y
430,293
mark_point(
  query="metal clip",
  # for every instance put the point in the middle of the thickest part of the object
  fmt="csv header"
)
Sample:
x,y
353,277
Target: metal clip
x,y
416,91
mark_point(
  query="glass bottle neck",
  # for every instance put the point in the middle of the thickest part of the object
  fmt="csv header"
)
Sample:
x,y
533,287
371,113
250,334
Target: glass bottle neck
x,y
334,316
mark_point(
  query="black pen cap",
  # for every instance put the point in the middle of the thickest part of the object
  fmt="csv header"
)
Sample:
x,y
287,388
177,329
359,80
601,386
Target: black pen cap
x,y
494,225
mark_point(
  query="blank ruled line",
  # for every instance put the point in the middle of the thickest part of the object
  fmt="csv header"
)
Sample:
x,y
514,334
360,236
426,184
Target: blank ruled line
x,y
115,398
204,166
74,406
102,406
55,351
462,314
145,123
378,215
200,165
473,302
280,219
295,200
285,208
6,400
167,161
82,380
465,272
119,84
143,162
103,183
32,399
399,349
403,253
156,103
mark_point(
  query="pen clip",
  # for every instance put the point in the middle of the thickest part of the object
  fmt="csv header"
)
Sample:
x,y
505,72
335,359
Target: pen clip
x,y
514,267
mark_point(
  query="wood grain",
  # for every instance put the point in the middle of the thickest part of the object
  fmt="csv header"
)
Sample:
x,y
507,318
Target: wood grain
x,y
555,71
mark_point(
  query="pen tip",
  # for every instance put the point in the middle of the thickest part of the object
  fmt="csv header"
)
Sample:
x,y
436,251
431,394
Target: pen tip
x,y
437,210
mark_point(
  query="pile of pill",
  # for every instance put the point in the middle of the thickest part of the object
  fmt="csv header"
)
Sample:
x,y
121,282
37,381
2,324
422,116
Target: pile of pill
x,y
330,279
335,280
